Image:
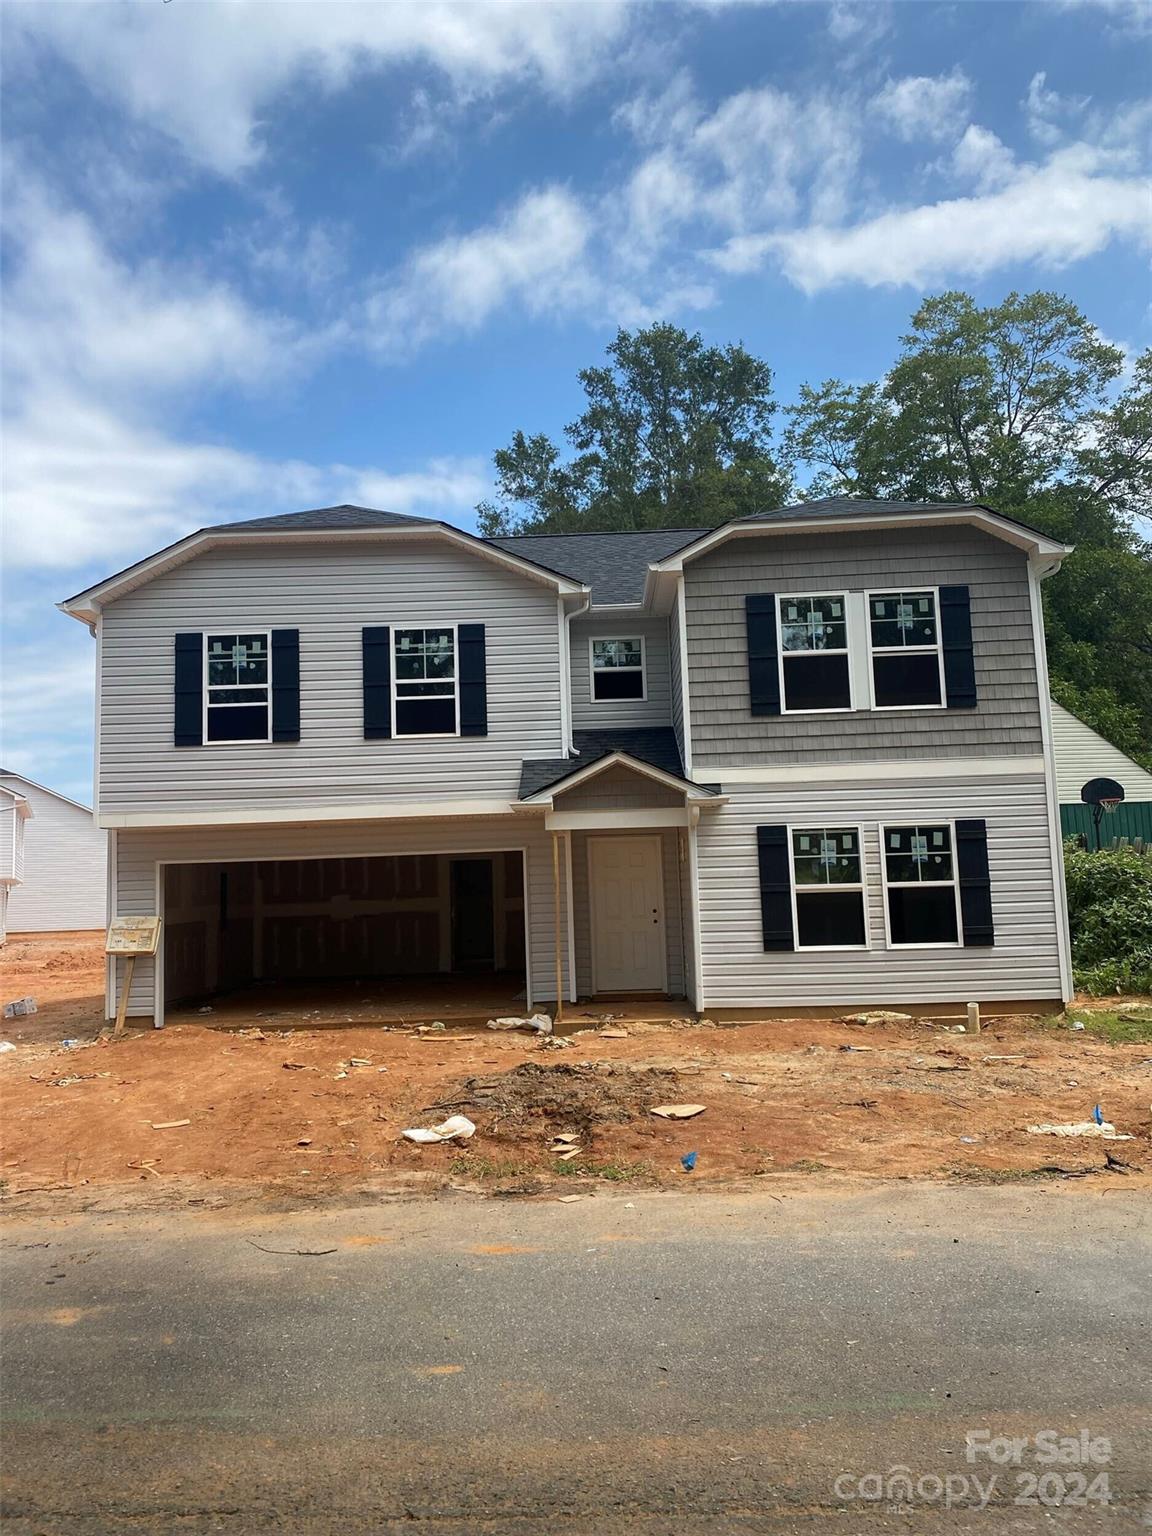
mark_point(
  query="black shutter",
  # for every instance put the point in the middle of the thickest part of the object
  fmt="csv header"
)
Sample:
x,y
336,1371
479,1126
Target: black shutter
x,y
956,637
763,659
975,886
376,645
285,685
473,680
774,855
188,694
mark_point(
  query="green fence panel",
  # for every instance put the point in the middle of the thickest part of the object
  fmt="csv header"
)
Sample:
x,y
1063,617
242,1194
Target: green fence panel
x,y
1132,819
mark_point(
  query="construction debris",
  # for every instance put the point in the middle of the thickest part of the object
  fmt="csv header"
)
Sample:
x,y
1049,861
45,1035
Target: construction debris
x,y
168,1125
455,1128
677,1111
19,1008
539,1022
879,1016
1102,1128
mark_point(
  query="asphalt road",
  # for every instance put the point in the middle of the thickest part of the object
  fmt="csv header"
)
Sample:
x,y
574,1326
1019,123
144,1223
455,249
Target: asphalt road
x,y
651,1363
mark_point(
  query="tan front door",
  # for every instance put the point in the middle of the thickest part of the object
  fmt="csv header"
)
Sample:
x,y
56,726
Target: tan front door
x,y
626,890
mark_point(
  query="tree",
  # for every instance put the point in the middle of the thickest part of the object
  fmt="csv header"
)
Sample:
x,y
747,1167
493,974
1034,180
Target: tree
x,y
673,433
1016,406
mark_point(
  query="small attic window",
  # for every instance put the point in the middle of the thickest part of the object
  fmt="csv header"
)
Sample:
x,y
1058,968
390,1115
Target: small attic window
x,y
617,669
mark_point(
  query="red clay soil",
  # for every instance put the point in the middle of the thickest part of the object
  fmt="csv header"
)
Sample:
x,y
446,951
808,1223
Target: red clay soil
x,y
286,1113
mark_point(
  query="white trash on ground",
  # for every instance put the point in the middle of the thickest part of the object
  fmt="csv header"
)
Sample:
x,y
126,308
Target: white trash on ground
x,y
455,1128
1105,1129
6,1045
540,1022
878,1016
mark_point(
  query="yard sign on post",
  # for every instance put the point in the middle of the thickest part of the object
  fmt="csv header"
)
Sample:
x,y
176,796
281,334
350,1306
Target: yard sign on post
x,y
130,936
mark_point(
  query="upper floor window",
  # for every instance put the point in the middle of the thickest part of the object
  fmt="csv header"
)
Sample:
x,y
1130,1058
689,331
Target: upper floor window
x,y
617,669
920,881
814,652
425,694
904,640
828,888
237,684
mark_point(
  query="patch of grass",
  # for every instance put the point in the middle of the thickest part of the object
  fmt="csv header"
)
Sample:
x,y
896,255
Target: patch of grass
x,y
618,1173
967,1174
1125,1026
809,1165
477,1166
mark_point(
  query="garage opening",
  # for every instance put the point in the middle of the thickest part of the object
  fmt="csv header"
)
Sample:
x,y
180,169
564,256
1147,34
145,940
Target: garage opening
x,y
375,939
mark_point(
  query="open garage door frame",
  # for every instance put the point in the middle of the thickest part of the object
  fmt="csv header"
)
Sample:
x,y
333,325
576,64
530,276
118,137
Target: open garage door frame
x,y
447,854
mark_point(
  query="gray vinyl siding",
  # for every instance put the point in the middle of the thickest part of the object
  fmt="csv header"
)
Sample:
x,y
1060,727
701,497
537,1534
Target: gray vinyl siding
x,y
139,852
656,709
329,593
65,866
1023,964
675,680
675,877
1081,755
618,789
1006,721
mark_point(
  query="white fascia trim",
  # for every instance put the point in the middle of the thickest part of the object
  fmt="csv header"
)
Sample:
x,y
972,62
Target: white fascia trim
x,y
1036,575
881,773
1032,543
86,605
620,820
390,810
601,765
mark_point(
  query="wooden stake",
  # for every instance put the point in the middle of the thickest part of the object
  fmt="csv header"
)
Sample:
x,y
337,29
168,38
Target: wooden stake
x,y
122,1010
973,1018
556,926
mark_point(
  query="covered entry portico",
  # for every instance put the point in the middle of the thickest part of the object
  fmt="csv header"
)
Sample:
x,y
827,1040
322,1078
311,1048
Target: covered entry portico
x,y
624,843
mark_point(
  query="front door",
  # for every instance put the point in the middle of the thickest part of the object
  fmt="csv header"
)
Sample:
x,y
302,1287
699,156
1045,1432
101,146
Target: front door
x,y
626,890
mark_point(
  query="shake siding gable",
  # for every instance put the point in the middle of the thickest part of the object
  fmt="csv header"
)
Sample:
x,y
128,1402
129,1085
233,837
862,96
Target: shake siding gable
x,y
330,594
1006,720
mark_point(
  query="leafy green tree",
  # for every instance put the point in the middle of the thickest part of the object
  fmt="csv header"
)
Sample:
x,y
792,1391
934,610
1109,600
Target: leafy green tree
x,y
673,433
1016,406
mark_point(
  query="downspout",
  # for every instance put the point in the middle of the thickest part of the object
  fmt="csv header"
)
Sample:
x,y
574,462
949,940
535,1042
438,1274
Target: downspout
x,y
566,681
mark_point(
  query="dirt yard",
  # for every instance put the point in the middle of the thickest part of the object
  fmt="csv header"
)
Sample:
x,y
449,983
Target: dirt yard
x,y
284,1113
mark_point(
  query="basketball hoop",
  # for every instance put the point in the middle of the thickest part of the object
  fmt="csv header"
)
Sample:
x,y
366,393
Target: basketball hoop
x,y
1103,795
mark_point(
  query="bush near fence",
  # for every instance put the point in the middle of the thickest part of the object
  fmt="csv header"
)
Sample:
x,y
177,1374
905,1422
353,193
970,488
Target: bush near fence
x,y
1110,915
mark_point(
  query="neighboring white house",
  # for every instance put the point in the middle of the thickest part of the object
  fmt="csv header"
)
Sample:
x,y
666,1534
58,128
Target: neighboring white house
x,y
14,812
1082,754
64,884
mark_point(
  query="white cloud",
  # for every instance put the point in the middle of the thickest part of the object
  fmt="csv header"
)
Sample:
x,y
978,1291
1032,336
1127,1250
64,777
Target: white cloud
x,y
531,256
859,24
205,72
925,107
1063,211
1047,112
980,157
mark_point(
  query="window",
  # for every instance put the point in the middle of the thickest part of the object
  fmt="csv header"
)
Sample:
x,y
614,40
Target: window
x,y
904,637
828,888
617,670
814,653
424,699
238,678
920,880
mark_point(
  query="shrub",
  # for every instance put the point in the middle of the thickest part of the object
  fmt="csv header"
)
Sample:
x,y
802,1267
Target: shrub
x,y
1110,913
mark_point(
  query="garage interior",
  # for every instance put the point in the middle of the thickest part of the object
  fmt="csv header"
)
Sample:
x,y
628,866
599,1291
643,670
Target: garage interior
x,y
381,938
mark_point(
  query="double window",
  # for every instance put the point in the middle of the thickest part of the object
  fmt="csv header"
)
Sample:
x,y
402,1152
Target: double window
x,y
828,888
814,652
904,642
237,686
425,691
617,669
921,897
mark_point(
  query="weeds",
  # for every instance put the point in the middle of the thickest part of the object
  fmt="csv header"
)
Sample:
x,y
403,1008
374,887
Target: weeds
x,y
1125,1026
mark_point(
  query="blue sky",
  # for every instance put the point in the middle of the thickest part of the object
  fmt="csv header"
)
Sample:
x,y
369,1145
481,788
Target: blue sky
x,y
261,256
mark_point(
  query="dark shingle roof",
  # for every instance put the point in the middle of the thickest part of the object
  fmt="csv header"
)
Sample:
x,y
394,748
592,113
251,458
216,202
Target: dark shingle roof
x,y
850,506
655,746
614,565
322,519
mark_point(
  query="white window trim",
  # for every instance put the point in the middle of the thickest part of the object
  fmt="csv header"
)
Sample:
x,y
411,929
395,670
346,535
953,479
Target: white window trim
x,y
247,741
838,709
915,650
642,669
903,885
426,735
862,887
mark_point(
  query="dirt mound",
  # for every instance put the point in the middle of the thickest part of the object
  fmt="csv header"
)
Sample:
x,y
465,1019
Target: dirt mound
x,y
570,1098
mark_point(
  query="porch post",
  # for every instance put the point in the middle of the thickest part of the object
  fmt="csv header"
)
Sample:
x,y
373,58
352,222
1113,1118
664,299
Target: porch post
x,y
556,926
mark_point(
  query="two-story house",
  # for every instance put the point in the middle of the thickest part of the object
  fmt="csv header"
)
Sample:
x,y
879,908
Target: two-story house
x,y
800,761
